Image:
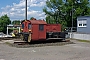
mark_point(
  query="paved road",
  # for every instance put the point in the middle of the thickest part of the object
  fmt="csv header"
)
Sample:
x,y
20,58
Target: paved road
x,y
78,51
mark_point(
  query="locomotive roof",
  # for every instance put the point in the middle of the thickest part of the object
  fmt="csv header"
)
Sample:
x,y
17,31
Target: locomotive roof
x,y
36,21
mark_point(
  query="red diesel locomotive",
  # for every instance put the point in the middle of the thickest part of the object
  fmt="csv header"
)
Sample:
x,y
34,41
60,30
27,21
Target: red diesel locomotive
x,y
34,30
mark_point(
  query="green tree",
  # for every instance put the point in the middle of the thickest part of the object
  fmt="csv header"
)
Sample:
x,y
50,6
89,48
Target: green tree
x,y
16,22
60,11
4,21
78,8
31,18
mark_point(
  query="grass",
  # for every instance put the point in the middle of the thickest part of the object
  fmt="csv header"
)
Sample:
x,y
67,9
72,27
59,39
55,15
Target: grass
x,y
8,43
84,41
81,40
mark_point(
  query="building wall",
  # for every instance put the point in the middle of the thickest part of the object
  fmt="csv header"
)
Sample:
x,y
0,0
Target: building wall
x,y
84,29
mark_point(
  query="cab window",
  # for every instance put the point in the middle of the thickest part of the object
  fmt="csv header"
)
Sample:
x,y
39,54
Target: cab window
x,y
22,26
29,26
41,27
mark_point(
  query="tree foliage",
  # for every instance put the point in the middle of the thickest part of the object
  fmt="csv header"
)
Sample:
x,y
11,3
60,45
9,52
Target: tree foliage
x,y
61,11
4,21
32,18
16,22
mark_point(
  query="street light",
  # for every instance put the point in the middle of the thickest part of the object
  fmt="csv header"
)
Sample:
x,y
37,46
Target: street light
x,y
72,16
26,10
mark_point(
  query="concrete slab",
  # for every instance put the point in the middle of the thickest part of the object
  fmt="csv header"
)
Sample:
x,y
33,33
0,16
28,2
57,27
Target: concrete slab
x,y
1,42
10,41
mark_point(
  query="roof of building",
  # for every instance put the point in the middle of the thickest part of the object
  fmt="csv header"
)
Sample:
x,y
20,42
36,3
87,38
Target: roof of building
x,y
83,17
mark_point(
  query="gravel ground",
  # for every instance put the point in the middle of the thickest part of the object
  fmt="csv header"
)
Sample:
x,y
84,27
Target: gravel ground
x,y
78,51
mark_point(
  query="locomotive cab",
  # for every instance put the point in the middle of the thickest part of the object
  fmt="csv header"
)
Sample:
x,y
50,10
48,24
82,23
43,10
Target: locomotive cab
x,y
26,31
33,30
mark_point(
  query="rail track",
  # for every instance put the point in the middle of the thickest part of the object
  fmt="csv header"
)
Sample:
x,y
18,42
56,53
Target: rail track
x,y
23,44
40,44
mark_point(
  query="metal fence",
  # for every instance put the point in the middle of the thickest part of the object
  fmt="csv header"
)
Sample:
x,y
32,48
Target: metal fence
x,y
71,29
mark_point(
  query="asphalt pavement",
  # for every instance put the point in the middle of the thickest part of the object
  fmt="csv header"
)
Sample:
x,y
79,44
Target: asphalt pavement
x,y
77,51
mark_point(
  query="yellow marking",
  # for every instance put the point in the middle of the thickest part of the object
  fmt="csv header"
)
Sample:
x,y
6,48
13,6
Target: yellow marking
x,y
21,29
25,20
29,30
13,34
29,38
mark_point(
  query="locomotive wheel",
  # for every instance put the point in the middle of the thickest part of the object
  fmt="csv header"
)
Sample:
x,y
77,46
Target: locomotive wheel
x,y
29,38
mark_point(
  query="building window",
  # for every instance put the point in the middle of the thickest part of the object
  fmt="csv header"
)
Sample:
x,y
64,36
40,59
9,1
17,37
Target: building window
x,y
41,27
85,25
82,23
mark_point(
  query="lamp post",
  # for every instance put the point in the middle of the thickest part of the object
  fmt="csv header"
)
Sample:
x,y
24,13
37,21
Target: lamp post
x,y
72,16
26,10
72,21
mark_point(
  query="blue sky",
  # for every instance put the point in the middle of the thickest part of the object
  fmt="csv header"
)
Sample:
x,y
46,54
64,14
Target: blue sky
x,y
15,9
4,3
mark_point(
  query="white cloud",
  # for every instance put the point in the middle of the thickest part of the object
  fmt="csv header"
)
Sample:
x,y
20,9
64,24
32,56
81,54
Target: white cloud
x,y
36,14
17,11
42,3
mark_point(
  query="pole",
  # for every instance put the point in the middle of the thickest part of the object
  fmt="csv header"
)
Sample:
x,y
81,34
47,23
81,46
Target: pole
x,y
7,30
72,22
72,15
26,11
